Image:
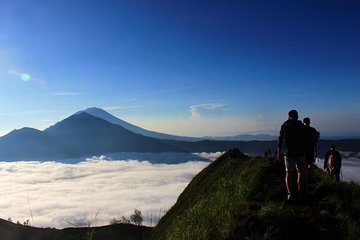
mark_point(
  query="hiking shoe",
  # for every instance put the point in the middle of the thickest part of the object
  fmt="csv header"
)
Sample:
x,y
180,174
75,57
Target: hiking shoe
x,y
290,197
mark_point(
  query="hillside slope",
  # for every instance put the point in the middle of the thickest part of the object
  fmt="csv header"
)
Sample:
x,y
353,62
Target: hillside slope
x,y
237,197
12,231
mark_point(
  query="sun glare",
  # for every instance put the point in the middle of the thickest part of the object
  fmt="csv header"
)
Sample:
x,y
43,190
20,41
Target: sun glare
x,y
25,77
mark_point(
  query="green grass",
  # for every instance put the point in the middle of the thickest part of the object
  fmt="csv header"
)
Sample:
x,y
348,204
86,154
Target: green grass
x,y
237,197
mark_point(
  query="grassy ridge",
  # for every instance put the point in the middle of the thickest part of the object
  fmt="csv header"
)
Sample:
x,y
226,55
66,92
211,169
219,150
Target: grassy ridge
x,y
237,197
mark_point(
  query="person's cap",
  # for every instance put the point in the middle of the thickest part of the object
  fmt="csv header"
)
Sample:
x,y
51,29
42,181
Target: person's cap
x,y
332,146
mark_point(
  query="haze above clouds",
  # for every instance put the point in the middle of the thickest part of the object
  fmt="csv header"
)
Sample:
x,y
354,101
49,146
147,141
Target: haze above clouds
x,y
61,195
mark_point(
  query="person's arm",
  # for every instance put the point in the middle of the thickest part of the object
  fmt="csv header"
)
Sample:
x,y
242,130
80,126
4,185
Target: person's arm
x,y
280,142
340,159
325,160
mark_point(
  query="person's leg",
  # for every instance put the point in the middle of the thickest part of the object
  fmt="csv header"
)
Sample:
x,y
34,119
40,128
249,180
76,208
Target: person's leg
x,y
337,175
307,176
289,180
301,179
289,175
310,159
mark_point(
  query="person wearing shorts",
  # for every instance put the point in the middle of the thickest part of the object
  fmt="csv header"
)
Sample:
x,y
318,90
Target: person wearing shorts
x,y
292,139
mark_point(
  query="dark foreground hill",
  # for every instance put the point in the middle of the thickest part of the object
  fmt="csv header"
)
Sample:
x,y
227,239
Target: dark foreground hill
x,y
11,231
237,197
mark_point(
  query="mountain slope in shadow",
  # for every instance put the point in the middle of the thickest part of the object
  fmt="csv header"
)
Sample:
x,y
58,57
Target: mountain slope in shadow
x,y
238,197
100,113
76,136
83,133
27,144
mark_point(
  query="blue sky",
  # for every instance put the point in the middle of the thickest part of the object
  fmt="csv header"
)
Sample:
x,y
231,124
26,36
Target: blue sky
x,y
183,67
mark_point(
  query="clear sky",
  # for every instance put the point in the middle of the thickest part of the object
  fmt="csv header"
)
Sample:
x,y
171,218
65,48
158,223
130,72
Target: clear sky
x,y
182,67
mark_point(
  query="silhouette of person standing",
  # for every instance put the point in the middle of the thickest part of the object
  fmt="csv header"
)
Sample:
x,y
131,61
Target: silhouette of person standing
x,y
292,139
332,163
312,137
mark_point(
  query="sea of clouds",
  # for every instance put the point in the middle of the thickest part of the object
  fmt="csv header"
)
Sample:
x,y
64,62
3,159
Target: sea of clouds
x,y
98,189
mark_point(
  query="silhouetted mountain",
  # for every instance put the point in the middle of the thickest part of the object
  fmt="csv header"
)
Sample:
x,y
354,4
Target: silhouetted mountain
x,y
77,136
256,148
100,113
27,144
83,134
244,137
250,147
11,231
344,145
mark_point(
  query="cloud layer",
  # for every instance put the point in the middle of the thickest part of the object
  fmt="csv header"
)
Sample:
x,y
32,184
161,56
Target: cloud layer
x,y
61,195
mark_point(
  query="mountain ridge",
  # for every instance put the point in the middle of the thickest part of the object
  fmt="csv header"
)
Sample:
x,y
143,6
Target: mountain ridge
x,y
100,113
239,197
107,137
244,137
78,135
98,136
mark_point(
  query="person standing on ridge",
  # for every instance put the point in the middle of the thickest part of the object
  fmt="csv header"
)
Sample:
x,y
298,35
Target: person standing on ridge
x,y
312,138
292,137
332,163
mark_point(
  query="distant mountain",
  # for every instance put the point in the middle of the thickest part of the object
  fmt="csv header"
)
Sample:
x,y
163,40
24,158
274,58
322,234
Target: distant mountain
x,y
27,144
84,134
12,231
100,113
244,137
252,148
79,135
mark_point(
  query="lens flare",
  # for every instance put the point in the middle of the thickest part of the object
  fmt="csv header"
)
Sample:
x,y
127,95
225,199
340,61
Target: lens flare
x,y
25,77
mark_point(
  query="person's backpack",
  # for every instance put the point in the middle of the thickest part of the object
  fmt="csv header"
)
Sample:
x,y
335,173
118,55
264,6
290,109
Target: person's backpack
x,y
315,137
333,162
